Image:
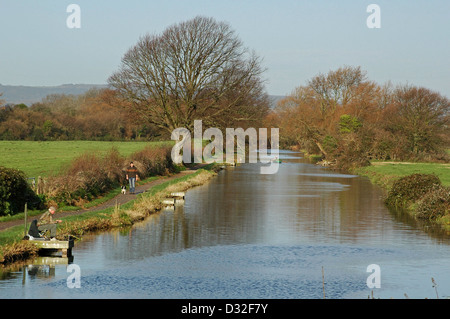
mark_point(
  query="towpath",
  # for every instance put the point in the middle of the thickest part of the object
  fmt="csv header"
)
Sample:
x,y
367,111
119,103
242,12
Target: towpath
x,y
119,199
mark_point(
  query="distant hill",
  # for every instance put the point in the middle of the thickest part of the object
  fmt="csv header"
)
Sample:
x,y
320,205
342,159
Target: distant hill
x,y
15,94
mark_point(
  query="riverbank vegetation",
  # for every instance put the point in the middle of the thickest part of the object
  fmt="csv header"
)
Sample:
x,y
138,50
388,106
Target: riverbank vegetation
x,y
90,176
392,134
13,248
423,196
15,192
86,178
385,173
420,189
351,121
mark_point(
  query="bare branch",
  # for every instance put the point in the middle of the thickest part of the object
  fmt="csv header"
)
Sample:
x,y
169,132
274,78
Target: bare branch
x,y
196,69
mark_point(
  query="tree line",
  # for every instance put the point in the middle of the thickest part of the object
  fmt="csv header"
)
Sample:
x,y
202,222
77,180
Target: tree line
x,y
96,115
350,120
197,69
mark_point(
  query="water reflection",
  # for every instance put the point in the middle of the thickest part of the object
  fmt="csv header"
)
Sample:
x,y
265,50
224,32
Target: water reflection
x,y
303,203
247,235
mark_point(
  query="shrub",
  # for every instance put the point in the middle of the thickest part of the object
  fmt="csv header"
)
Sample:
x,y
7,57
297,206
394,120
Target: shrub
x,y
329,143
90,176
15,192
349,124
351,153
436,203
153,161
411,188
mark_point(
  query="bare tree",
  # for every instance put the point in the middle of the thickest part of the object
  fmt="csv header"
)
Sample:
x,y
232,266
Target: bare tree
x,y
312,112
196,69
337,87
422,116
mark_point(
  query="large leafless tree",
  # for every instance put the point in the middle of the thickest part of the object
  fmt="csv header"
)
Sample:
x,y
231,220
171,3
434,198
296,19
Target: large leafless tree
x,y
198,69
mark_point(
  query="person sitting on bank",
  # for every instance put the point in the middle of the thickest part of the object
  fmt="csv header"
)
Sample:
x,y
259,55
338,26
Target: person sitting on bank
x,y
132,176
46,222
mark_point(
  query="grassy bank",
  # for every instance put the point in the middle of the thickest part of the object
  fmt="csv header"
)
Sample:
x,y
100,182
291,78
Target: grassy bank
x,y
421,189
13,248
88,171
386,173
98,201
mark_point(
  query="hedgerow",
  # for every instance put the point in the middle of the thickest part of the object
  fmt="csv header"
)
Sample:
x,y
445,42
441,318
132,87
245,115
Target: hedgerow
x,y
15,192
435,204
411,188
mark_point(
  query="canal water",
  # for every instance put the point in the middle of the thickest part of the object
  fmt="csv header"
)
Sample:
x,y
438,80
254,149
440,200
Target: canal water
x,y
301,233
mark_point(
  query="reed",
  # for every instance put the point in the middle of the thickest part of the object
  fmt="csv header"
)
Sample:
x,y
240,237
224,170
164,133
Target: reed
x,y
17,251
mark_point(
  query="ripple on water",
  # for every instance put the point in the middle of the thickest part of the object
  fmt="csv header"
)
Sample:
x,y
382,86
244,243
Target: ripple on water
x,y
236,271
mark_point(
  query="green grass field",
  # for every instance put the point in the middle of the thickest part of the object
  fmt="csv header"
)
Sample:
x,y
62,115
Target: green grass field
x,y
45,158
389,171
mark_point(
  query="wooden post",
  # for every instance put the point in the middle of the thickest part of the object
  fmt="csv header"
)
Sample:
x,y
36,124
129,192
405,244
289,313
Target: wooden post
x,y
178,194
168,201
26,212
40,186
323,283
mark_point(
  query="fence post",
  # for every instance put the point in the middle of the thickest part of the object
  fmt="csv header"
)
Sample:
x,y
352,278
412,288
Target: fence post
x,y
26,212
40,187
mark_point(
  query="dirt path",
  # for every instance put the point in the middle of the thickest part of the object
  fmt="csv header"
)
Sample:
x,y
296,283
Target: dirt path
x,y
120,199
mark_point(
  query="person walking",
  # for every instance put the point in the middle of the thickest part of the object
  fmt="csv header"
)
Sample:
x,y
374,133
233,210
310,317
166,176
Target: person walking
x,y
46,222
132,176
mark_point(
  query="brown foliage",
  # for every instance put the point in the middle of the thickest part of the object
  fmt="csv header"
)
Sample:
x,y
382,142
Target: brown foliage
x,y
20,250
90,176
435,204
67,117
153,161
351,120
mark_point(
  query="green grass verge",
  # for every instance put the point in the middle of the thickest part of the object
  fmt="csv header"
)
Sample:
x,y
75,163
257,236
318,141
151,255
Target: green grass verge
x,y
385,173
98,201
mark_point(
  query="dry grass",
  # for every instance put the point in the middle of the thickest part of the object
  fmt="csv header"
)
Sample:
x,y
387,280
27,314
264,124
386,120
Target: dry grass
x,y
142,208
150,204
17,251
153,161
76,227
90,176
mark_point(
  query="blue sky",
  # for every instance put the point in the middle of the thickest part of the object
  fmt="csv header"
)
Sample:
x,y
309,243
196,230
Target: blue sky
x,y
296,39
